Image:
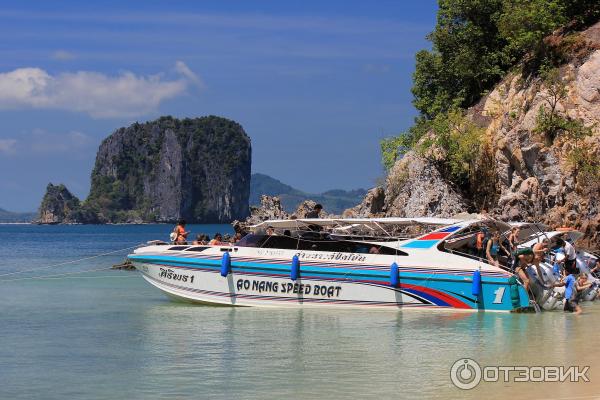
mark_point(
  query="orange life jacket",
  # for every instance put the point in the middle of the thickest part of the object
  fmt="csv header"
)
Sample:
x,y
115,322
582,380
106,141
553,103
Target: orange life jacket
x,y
479,241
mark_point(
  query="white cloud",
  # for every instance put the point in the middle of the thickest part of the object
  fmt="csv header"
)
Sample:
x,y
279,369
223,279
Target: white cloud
x,y
62,55
7,146
185,71
94,93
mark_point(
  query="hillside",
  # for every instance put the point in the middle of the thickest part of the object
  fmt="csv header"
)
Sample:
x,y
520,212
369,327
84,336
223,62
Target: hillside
x,y
334,201
15,217
527,149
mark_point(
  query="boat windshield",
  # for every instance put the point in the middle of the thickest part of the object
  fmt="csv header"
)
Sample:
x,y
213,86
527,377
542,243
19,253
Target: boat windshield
x,y
317,242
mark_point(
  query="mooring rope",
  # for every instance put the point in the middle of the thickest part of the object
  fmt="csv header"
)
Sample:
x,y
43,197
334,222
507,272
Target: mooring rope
x,y
68,262
56,276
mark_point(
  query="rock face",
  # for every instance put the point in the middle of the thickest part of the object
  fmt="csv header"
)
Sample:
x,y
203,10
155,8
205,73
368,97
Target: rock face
x,y
271,208
58,206
167,169
414,187
160,171
535,180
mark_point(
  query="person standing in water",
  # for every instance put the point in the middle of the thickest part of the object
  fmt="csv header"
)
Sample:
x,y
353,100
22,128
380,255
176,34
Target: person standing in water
x,y
574,291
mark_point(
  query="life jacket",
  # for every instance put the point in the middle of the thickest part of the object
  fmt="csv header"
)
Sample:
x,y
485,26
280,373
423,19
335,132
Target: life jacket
x,y
479,241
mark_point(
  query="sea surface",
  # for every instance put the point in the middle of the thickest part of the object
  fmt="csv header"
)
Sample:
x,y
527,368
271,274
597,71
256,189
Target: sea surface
x,y
67,333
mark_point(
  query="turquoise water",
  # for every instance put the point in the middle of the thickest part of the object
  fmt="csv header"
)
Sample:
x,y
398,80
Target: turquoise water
x,y
109,335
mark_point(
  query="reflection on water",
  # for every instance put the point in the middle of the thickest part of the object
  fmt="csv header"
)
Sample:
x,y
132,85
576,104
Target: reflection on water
x,y
117,337
108,338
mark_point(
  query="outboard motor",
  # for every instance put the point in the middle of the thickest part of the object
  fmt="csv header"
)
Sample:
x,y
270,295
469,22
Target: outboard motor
x,y
546,296
551,300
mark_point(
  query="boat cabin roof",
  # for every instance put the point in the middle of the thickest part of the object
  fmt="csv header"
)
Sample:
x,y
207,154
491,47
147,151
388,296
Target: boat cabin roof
x,y
377,230
374,223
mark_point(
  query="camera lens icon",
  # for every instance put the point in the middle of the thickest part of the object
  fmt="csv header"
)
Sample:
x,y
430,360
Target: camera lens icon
x,y
465,373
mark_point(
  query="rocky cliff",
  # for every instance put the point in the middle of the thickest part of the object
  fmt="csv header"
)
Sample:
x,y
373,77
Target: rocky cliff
x,y
197,169
58,206
531,176
271,208
160,171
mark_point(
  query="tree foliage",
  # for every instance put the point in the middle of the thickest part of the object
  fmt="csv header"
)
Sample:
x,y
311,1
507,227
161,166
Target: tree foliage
x,y
466,57
475,42
454,144
394,147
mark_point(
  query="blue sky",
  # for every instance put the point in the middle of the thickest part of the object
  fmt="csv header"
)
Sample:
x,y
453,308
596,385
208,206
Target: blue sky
x,y
315,84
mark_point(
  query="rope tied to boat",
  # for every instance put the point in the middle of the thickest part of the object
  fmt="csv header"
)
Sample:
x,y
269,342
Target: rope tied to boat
x,y
67,263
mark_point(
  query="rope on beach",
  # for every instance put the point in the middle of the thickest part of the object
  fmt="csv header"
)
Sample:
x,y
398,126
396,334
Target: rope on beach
x,y
67,262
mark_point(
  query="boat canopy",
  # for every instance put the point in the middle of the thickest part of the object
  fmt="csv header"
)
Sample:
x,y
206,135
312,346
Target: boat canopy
x,y
376,224
571,235
528,229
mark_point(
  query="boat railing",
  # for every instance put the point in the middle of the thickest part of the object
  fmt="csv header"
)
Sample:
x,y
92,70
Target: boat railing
x,y
477,258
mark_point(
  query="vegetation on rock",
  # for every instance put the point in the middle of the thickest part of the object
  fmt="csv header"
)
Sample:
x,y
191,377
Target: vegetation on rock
x,y
508,112
59,205
167,169
476,42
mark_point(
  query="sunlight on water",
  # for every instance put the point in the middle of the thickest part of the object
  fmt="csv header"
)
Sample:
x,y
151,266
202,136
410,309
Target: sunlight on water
x,y
110,335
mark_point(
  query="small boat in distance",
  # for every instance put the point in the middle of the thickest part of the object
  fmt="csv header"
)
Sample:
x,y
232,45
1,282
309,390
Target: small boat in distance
x,y
377,263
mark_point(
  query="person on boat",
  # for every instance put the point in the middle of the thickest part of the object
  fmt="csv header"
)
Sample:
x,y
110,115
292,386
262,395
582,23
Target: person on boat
x,y
570,255
513,239
541,247
557,266
315,213
270,231
493,249
217,240
180,232
480,243
374,250
236,238
523,257
200,239
539,250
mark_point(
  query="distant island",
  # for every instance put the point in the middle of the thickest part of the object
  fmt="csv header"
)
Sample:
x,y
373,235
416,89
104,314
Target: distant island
x,y
16,217
334,201
160,171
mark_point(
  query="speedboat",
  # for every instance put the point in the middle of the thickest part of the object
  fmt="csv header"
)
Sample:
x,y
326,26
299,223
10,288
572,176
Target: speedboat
x,y
376,263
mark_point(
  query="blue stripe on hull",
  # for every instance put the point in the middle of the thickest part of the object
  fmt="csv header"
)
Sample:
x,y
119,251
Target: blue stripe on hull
x,y
456,287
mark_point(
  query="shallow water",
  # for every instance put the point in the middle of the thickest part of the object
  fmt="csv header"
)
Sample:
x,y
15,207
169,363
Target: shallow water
x,y
108,334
